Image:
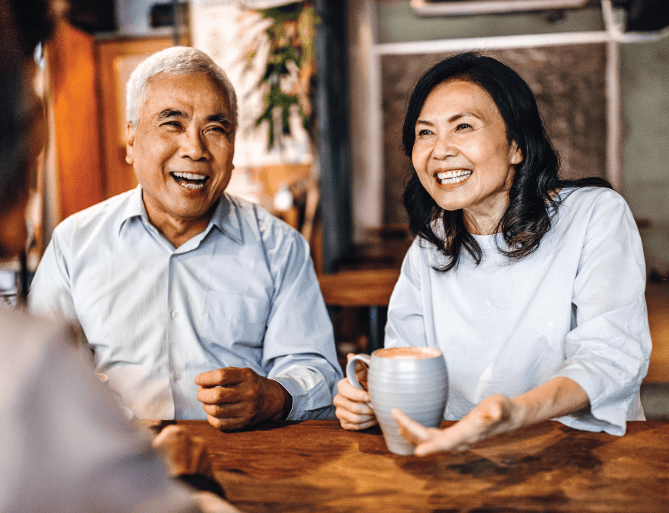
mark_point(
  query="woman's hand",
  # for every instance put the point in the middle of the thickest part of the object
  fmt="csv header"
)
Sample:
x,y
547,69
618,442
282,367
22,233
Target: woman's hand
x,y
496,414
492,416
353,410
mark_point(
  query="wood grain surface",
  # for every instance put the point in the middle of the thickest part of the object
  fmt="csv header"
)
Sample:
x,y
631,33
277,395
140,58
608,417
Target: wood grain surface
x,y
317,466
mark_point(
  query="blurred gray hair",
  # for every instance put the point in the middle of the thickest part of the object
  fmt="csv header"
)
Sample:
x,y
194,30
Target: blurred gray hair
x,y
177,60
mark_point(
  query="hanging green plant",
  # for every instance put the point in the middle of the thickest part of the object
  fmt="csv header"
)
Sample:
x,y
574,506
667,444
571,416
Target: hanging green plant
x,y
290,35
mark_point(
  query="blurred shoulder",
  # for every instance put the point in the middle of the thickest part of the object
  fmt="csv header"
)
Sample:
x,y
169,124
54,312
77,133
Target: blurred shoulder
x,y
24,337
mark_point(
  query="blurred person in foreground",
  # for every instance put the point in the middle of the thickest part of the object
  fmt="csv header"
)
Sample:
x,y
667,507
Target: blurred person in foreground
x,y
64,443
532,286
197,304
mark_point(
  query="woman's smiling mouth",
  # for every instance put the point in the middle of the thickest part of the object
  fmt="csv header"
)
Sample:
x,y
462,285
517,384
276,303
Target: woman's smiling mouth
x,y
191,181
452,177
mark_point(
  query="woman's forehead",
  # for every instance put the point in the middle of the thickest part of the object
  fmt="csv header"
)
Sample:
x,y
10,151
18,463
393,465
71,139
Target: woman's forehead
x,y
458,97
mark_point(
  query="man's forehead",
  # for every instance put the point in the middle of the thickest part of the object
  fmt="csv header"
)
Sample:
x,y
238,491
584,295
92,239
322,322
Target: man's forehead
x,y
176,92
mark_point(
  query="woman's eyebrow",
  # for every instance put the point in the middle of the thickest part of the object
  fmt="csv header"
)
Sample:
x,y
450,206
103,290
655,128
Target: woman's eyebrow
x,y
452,119
461,115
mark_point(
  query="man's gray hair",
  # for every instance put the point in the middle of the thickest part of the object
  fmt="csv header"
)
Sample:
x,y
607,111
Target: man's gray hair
x,y
177,60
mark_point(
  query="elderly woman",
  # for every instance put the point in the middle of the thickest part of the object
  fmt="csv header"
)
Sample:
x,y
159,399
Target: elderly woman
x,y
532,286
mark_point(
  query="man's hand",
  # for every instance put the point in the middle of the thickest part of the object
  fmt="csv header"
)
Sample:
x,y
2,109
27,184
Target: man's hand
x,y
352,410
235,398
184,454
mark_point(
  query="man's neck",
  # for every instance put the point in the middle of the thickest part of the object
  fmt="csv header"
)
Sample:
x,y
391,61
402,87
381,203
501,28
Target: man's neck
x,y
179,230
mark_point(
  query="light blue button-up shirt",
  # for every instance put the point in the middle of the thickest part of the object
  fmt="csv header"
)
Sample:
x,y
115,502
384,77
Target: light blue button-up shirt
x,y
243,293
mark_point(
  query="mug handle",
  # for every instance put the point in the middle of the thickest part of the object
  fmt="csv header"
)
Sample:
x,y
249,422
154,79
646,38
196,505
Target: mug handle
x,y
350,369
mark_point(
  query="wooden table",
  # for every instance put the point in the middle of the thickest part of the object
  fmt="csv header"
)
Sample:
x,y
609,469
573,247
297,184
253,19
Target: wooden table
x,y
316,466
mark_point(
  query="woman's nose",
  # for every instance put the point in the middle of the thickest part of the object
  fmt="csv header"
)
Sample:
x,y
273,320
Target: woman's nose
x,y
443,148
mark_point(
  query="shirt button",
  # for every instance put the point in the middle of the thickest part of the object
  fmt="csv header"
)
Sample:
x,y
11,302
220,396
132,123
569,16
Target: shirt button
x,y
175,314
177,376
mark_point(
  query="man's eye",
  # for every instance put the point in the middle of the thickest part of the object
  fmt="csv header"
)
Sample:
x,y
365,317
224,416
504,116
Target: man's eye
x,y
171,124
217,129
463,126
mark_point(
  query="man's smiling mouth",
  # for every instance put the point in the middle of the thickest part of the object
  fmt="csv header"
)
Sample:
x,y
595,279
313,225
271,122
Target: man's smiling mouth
x,y
191,181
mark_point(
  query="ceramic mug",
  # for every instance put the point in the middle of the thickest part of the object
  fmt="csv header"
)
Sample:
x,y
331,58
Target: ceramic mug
x,y
413,379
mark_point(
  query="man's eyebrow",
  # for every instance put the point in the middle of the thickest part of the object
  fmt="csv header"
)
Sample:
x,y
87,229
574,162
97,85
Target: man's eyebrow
x,y
220,118
171,113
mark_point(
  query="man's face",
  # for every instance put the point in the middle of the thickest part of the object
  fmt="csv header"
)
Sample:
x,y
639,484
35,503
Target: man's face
x,y
182,148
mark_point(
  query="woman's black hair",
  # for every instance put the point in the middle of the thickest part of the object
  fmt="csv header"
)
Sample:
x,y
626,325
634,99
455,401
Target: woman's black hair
x,y
531,207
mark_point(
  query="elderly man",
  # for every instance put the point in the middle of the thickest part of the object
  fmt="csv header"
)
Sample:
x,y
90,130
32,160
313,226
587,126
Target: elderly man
x,y
196,304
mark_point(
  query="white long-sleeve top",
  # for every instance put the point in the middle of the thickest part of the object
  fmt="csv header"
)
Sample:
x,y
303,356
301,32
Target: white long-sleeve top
x,y
574,308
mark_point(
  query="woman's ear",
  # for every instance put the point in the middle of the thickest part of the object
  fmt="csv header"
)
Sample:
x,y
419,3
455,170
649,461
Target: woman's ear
x,y
515,153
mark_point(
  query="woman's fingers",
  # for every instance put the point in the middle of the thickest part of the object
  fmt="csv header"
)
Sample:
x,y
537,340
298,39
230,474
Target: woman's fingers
x,y
412,431
352,393
352,408
493,415
343,403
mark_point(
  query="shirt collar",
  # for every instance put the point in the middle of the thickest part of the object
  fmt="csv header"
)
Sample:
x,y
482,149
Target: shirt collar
x,y
134,208
225,218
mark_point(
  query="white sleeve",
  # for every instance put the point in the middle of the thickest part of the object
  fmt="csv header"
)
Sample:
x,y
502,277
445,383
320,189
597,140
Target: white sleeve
x,y
299,348
608,350
406,315
50,290
67,447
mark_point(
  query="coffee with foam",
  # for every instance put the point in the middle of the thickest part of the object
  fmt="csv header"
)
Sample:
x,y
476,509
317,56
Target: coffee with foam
x,y
408,353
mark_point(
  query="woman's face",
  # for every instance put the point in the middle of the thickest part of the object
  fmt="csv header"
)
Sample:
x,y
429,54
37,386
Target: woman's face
x,y
462,154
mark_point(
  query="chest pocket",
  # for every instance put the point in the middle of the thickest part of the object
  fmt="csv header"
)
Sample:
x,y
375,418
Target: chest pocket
x,y
230,319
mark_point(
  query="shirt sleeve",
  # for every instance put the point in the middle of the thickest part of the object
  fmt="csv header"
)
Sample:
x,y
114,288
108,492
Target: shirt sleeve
x,y
406,322
299,348
608,350
50,290
67,447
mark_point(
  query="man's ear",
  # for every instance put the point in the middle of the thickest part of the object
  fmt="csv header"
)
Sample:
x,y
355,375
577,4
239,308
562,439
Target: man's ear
x,y
515,153
130,144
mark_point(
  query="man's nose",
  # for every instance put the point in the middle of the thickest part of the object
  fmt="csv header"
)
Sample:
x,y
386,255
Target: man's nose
x,y
193,146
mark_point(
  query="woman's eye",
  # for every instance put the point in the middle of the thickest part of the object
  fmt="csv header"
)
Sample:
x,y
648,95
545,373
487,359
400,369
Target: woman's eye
x,y
463,126
423,132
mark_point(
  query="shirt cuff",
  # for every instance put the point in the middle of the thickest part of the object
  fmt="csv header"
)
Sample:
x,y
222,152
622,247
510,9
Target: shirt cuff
x,y
296,392
608,408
